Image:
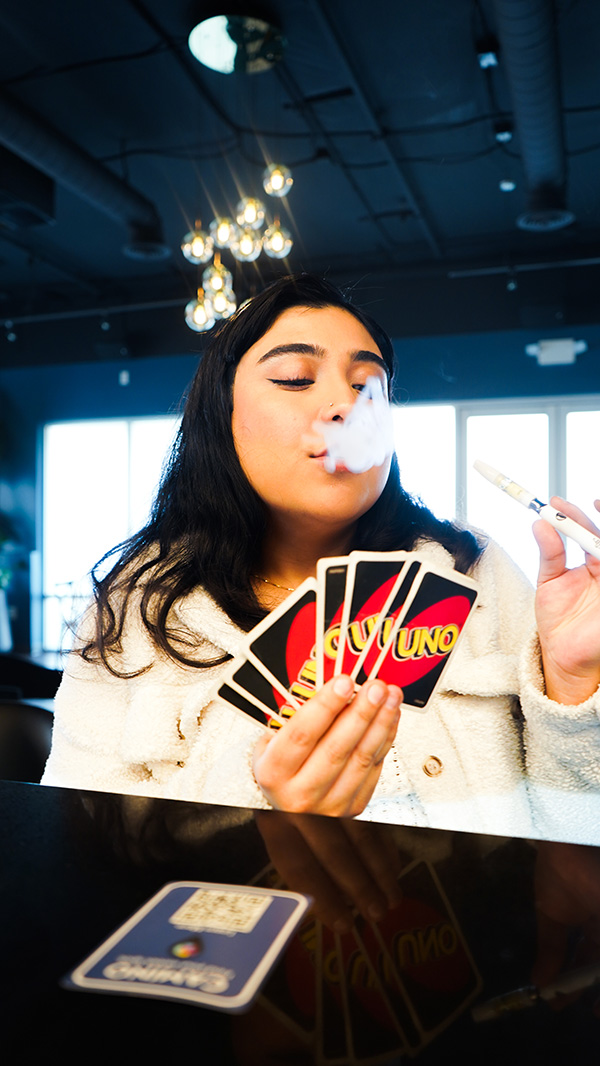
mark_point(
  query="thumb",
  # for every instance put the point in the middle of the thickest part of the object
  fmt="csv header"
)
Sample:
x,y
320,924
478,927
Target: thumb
x,y
553,557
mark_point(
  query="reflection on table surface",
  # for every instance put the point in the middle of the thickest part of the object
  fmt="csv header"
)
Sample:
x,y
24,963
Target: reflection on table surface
x,y
420,943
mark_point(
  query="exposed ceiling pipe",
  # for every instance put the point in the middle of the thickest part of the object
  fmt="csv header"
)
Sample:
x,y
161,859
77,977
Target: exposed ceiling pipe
x,y
529,54
35,140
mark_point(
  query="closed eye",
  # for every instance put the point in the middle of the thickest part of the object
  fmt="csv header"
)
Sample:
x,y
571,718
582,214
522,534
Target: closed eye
x,y
293,383
302,383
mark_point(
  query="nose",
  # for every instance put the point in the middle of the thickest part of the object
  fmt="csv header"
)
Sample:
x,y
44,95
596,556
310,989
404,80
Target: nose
x,y
336,411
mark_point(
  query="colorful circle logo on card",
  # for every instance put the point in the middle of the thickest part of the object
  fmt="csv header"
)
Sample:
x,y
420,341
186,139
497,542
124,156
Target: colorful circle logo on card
x,y
187,949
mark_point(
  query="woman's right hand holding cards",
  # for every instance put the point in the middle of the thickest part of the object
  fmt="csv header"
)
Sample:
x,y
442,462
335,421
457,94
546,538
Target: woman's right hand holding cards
x,y
328,757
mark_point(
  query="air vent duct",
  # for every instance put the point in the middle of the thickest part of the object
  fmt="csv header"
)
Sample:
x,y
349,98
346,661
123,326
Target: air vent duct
x,y
34,140
529,51
26,195
545,212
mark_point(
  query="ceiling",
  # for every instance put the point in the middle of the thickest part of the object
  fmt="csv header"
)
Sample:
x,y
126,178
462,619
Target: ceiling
x,y
386,118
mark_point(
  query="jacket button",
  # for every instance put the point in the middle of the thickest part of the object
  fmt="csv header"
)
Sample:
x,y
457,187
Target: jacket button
x,y
432,766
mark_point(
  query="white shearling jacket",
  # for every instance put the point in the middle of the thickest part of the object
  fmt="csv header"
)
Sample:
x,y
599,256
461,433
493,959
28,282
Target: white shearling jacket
x,y
491,754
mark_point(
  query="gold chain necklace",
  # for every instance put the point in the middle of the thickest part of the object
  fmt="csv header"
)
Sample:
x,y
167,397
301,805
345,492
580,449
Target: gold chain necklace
x,y
285,588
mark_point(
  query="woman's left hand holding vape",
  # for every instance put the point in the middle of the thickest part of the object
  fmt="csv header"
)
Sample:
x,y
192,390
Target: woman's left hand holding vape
x,y
568,613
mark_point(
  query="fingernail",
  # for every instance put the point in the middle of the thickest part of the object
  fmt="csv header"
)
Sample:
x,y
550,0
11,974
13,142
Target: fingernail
x,y
394,698
376,693
343,686
342,926
376,913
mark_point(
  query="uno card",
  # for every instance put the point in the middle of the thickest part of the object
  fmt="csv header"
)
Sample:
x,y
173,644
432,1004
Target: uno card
x,y
422,947
374,1031
282,646
245,689
208,944
332,1020
331,588
376,950
392,608
372,578
236,699
425,634
292,990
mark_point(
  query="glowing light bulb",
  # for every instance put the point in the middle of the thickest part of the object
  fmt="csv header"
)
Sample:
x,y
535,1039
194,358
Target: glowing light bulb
x,y
277,241
222,230
224,303
199,313
197,246
277,180
250,212
247,246
216,277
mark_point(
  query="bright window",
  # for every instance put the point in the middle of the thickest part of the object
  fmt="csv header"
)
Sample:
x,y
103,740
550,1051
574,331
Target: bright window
x,y
583,467
99,478
425,442
516,444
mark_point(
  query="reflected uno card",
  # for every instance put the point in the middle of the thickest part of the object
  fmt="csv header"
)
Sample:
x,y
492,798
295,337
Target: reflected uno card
x,y
292,991
374,1029
372,578
331,588
421,947
282,646
333,1026
209,944
425,635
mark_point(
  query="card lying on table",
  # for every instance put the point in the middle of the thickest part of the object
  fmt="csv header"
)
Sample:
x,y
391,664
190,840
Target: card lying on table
x,y
390,615
212,945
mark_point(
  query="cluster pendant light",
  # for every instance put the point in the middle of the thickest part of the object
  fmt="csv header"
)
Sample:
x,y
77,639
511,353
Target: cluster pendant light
x,y
245,237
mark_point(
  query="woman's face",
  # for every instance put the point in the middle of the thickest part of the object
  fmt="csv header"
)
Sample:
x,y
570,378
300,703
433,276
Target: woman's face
x,y
310,365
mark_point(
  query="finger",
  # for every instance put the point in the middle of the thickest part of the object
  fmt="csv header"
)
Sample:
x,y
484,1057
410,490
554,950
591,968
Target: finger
x,y
336,853
378,851
289,748
597,504
322,771
300,868
553,557
365,791
368,785
359,758
572,511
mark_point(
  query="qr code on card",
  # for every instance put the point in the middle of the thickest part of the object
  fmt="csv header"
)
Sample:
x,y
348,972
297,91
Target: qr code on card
x,y
218,911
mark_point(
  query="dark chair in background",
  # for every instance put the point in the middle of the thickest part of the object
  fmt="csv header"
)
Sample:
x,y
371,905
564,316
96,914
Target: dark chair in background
x,y
25,739
22,678
25,727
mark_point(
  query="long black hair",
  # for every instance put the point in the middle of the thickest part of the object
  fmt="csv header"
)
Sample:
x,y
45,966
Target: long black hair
x,y
207,524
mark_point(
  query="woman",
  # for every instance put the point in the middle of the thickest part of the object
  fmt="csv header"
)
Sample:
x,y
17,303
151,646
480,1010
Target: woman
x,y
245,510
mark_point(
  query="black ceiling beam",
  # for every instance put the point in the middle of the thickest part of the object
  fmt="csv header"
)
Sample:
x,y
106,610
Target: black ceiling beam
x,y
37,141
409,195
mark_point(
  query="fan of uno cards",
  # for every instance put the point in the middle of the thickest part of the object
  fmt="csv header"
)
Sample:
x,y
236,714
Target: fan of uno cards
x,y
368,614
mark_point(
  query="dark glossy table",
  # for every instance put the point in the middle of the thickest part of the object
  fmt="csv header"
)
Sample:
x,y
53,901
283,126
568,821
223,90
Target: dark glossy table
x,y
477,915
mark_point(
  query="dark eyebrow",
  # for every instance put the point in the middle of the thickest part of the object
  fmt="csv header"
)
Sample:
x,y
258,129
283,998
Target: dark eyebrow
x,y
298,348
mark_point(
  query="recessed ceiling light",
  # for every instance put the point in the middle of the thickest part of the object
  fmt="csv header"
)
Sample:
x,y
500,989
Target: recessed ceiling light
x,y
503,132
487,52
236,44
